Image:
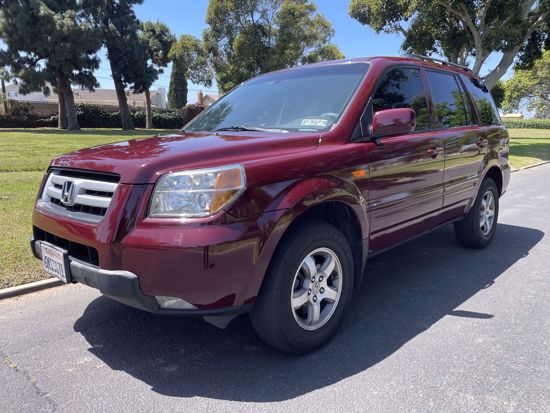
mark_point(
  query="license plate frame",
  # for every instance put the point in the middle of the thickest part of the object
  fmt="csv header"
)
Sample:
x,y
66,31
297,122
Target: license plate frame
x,y
55,261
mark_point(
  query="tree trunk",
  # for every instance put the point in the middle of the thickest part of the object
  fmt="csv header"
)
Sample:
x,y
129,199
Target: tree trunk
x,y
148,110
4,97
65,89
125,116
61,109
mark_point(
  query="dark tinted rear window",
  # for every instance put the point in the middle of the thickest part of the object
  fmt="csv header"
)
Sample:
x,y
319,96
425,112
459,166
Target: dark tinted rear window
x,y
450,105
403,88
488,112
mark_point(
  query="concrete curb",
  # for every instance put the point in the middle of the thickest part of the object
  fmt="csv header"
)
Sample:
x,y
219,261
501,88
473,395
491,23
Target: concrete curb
x,y
29,288
531,166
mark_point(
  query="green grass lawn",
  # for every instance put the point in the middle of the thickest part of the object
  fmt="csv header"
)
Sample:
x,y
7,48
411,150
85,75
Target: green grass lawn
x,y
529,146
26,153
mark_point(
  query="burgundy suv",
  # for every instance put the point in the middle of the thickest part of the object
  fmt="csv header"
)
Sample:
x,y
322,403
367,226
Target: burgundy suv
x,y
272,199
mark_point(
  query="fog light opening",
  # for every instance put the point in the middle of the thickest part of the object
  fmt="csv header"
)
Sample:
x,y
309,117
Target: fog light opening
x,y
174,303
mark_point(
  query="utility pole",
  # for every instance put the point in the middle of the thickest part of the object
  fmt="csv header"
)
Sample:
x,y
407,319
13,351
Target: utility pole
x,y
4,97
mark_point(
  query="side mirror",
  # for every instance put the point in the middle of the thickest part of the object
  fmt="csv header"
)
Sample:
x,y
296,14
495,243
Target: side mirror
x,y
393,122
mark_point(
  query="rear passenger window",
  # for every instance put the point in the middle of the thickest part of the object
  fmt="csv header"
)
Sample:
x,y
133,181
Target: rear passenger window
x,y
450,105
488,112
403,88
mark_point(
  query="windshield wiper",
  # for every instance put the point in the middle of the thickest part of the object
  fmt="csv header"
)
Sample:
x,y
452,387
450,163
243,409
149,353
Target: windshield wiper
x,y
240,128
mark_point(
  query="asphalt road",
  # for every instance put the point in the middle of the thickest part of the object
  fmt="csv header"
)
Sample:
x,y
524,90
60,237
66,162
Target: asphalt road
x,y
434,327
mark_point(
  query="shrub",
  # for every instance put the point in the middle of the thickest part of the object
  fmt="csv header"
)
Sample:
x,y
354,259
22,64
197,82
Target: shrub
x,y
26,121
527,123
97,117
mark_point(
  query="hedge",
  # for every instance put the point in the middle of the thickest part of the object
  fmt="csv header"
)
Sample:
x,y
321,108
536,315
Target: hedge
x,y
527,123
97,117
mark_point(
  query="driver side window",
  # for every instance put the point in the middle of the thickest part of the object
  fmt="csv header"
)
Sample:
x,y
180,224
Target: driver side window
x,y
403,88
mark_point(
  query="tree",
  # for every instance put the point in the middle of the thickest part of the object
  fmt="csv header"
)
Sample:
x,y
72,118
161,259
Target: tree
x,y
458,29
538,42
189,61
249,37
530,87
157,40
50,42
120,30
498,93
177,90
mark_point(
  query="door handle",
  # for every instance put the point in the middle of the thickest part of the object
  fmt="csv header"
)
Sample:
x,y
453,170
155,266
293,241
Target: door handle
x,y
482,142
433,151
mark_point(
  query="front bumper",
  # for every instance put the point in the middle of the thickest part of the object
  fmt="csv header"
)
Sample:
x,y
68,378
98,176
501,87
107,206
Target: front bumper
x,y
123,286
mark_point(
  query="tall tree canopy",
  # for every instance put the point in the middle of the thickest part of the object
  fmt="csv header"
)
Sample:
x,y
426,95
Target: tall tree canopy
x,y
120,30
50,41
189,62
530,87
458,29
538,42
245,38
156,40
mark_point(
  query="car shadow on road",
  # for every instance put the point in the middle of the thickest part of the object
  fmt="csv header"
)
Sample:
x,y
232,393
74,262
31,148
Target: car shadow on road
x,y
404,293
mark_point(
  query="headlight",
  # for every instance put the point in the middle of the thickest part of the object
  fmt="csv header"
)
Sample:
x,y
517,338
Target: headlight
x,y
196,193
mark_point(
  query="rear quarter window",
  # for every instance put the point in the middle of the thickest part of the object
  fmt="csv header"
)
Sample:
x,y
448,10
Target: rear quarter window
x,y
486,108
450,105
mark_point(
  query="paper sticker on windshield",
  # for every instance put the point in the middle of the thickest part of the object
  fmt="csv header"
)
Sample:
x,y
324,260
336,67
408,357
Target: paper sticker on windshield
x,y
320,123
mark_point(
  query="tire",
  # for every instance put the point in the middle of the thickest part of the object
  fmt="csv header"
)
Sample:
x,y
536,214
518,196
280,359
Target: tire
x,y
475,231
290,275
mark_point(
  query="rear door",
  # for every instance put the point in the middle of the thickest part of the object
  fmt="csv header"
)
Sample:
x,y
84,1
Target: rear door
x,y
406,171
464,140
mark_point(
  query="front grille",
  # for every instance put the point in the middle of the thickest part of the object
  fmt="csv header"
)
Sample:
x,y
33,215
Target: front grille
x,y
91,194
79,251
80,208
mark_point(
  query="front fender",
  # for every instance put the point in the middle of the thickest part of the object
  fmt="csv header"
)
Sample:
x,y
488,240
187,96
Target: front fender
x,y
318,190
297,199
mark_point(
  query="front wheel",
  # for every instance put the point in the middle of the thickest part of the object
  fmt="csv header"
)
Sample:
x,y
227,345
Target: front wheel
x,y
307,288
477,229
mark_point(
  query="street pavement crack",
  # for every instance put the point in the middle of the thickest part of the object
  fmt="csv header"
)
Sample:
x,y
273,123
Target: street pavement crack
x,y
26,374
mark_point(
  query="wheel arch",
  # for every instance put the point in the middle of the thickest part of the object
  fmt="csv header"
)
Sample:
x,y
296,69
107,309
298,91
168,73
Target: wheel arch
x,y
495,174
331,200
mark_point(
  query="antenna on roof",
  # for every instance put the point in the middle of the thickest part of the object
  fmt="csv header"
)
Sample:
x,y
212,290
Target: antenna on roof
x,y
434,60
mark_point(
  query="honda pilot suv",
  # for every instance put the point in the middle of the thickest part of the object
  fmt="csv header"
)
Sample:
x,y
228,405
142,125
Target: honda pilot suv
x,y
272,199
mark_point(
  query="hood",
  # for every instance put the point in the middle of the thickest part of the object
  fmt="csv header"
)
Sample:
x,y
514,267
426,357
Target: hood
x,y
143,160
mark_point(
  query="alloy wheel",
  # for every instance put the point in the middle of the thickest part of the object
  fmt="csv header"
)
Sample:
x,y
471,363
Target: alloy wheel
x,y
316,289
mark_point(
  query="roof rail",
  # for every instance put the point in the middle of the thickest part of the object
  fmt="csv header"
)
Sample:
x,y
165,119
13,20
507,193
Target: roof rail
x,y
440,61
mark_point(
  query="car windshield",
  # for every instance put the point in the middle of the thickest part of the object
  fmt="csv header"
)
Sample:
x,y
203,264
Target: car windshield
x,y
306,99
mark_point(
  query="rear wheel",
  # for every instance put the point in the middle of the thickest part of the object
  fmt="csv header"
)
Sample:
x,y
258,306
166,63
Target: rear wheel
x,y
307,288
477,229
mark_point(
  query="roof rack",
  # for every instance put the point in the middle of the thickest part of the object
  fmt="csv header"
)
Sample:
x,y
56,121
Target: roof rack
x,y
440,61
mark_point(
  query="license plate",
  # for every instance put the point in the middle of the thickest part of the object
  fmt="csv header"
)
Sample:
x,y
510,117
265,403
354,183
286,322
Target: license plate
x,y
54,261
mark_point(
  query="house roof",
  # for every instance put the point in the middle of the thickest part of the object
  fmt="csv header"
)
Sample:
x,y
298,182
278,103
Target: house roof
x,y
98,96
105,97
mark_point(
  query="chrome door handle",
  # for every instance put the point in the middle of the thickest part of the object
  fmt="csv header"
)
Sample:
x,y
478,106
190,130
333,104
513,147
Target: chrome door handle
x,y
482,142
433,151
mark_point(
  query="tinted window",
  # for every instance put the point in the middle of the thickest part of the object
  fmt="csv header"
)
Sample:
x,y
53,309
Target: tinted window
x,y
488,112
403,88
450,105
305,99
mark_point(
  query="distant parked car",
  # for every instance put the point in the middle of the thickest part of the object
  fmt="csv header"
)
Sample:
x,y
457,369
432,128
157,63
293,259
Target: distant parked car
x,y
272,199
